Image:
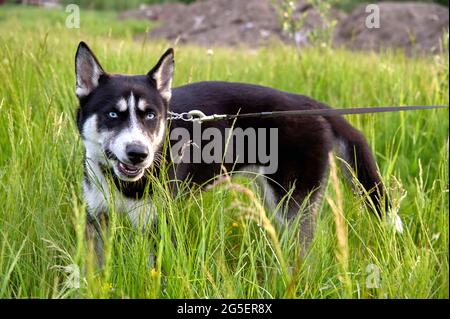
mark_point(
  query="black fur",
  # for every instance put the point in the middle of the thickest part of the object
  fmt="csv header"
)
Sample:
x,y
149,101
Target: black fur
x,y
304,141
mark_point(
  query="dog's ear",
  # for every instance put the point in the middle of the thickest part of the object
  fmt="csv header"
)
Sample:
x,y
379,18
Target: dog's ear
x,y
87,69
162,74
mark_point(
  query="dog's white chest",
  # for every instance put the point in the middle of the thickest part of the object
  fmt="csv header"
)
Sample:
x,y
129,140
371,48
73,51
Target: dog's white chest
x,y
101,198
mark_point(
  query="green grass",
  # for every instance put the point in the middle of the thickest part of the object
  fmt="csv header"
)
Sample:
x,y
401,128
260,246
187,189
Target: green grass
x,y
348,5
206,247
120,4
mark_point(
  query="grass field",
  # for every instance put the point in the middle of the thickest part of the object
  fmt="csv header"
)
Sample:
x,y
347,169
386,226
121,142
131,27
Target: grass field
x,y
206,246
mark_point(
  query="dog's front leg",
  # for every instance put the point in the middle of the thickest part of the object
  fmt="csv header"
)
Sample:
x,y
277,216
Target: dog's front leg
x,y
143,217
94,235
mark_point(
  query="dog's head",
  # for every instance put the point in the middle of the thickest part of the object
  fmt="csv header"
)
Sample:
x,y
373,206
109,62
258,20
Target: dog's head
x,y
122,118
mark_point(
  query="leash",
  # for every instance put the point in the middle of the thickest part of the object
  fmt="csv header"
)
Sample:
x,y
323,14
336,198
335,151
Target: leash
x,y
199,116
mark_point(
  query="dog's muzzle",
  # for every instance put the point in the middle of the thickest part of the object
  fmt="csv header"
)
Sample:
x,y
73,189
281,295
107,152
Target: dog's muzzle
x,y
133,165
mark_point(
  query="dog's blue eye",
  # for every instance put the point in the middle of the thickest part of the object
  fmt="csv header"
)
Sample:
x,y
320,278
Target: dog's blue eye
x,y
113,115
149,116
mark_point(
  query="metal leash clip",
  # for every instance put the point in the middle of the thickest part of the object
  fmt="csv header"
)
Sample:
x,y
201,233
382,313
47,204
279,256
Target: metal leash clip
x,y
195,116
178,116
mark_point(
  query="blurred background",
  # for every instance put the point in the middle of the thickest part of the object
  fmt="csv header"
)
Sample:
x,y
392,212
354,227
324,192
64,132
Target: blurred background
x,y
412,26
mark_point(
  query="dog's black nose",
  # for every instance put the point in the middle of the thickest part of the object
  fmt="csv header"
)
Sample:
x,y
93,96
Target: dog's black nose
x,y
136,153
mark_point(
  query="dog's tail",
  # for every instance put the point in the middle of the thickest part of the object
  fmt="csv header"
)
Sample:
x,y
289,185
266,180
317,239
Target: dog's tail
x,y
355,151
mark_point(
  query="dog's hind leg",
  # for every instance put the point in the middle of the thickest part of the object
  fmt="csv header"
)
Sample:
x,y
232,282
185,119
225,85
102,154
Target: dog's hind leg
x,y
303,175
288,201
304,205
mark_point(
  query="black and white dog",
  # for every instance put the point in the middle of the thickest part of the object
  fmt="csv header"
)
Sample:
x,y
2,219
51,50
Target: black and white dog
x,y
123,124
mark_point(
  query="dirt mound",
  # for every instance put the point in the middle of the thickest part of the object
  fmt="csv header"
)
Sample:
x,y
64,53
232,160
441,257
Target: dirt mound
x,y
410,25
224,22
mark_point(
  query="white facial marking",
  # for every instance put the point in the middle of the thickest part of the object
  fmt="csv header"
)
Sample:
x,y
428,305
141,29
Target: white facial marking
x,y
122,105
81,91
142,105
132,108
131,103
93,140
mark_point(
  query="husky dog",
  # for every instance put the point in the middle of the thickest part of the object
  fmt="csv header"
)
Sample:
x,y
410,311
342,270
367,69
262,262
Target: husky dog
x,y
123,123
